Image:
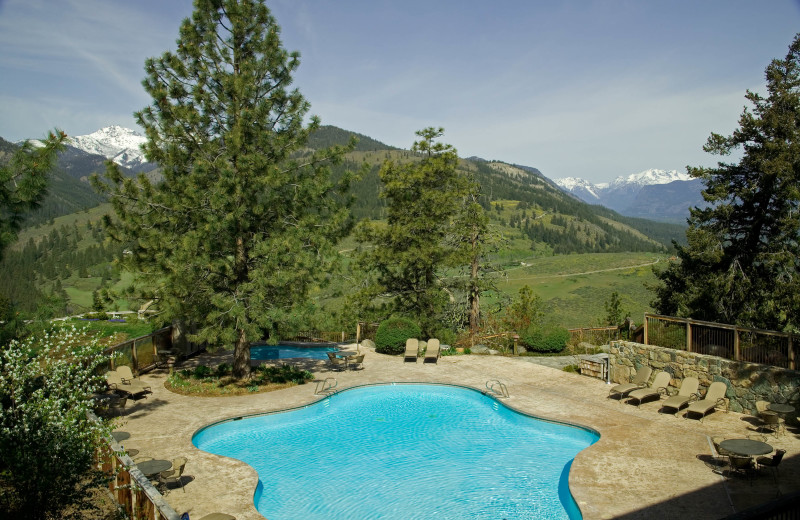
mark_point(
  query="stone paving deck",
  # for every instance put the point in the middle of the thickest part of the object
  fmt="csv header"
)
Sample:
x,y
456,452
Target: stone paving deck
x,y
646,465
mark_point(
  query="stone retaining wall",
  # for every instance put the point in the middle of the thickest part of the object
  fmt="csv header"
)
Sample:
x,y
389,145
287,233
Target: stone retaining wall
x,y
747,382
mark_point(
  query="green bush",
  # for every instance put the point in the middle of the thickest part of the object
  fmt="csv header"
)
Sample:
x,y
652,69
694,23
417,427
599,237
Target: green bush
x,y
392,335
201,372
446,336
536,339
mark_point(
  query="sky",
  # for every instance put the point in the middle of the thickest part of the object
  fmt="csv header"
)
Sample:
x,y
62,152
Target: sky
x,y
594,89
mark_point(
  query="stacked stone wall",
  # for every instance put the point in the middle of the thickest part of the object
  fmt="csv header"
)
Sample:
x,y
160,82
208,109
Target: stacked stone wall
x,y
747,382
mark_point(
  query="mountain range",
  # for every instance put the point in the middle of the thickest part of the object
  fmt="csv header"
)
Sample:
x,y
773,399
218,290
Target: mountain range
x,y
591,225
662,195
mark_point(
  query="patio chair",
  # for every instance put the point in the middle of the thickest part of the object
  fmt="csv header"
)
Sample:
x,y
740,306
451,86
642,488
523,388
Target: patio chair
x,y
174,475
659,386
336,362
356,360
687,393
433,352
117,405
771,462
131,390
412,350
638,381
768,420
715,396
743,466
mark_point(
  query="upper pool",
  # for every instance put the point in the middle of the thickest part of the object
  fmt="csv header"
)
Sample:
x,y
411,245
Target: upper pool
x,y
259,352
405,451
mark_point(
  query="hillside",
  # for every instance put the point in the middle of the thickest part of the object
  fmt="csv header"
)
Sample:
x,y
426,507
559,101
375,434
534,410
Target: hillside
x,y
62,252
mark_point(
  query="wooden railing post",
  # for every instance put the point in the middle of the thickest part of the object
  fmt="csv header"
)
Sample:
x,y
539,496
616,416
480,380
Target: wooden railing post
x,y
790,355
134,357
736,352
645,330
688,335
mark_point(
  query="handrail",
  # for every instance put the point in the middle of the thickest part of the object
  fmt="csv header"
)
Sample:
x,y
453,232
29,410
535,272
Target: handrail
x,y
503,390
326,386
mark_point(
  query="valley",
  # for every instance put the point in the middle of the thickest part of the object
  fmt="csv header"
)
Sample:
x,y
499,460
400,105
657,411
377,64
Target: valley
x,y
573,255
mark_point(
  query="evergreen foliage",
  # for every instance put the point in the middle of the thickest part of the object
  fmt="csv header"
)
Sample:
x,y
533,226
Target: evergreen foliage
x,y
391,336
242,226
742,261
423,198
552,340
23,183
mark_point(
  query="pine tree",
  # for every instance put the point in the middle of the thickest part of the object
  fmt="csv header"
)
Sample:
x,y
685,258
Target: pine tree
x,y
422,199
241,227
23,183
742,261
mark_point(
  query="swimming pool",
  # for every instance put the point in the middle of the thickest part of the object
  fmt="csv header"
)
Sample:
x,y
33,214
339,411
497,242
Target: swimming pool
x,y
407,451
259,352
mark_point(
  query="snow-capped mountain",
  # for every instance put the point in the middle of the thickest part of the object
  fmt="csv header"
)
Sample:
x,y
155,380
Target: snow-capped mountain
x,y
654,194
119,144
648,178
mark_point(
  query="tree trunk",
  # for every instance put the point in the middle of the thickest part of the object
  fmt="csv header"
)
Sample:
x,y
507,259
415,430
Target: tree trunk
x,y
474,295
241,356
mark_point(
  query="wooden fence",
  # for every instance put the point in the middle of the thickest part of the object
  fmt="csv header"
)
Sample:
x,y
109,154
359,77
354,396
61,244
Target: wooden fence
x,y
766,347
142,353
593,335
130,488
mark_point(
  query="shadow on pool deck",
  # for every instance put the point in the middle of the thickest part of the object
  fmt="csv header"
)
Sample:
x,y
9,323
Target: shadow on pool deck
x,y
645,465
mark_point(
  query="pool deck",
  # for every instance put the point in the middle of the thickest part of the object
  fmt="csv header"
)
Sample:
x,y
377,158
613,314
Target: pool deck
x,y
646,465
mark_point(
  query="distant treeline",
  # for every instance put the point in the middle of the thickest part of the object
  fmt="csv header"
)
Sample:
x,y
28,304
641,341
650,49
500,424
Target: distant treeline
x,y
40,269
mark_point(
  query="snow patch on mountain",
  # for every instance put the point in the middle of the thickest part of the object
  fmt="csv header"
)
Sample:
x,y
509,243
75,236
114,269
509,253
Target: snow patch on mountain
x,y
121,145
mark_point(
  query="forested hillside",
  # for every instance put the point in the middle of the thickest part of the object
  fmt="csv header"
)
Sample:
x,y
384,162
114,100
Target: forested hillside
x,y
62,256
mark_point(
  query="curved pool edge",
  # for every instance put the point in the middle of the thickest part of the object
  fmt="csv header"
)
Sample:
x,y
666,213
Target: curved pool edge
x,y
484,392
397,383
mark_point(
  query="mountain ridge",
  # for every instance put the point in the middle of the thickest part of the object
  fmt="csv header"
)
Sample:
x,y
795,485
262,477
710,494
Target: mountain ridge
x,y
664,195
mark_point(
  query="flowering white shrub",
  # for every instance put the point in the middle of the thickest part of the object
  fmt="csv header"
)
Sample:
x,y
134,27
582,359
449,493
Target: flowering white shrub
x,y
47,442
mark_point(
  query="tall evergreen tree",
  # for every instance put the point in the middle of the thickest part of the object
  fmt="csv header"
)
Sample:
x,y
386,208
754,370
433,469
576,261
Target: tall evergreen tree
x,y
422,199
742,261
23,183
241,226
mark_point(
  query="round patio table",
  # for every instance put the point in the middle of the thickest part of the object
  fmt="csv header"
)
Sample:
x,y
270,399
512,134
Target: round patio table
x,y
745,447
153,467
780,408
346,353
120,436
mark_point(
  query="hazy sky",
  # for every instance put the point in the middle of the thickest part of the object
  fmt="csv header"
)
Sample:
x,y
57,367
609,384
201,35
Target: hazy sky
x,y
592,89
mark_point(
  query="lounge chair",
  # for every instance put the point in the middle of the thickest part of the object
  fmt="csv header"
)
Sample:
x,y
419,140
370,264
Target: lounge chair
x,y
126,374
412,350
356,360
432,352
131,390
638,381
336,362
174,475
687,393
714,397
659,386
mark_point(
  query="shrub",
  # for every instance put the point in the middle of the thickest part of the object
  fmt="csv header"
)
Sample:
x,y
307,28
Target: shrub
x,y
201,372
446,336
545,340
392,335
223,369
47,441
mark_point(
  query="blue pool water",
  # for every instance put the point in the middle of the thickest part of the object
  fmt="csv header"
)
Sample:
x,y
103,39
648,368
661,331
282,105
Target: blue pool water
x,y
405,452
289,351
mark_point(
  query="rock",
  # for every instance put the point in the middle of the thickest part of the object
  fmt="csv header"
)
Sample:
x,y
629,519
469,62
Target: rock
x,y
493,352
368,343
480,349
